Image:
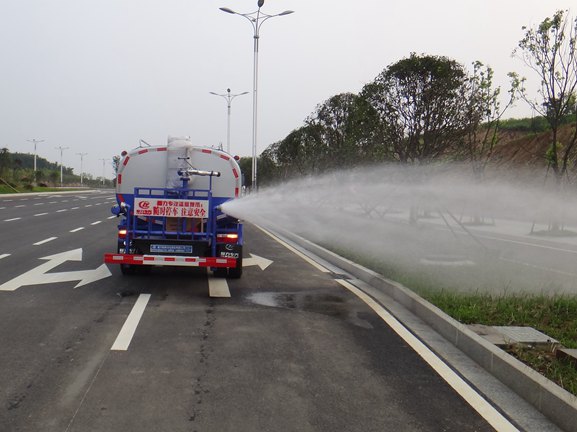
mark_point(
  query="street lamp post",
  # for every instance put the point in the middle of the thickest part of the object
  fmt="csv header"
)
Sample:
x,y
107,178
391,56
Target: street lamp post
x,y
35,141
61,165
256,19
103,167
81,167
228,97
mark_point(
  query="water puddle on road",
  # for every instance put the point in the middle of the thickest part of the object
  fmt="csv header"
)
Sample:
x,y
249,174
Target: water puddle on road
x,y
321,303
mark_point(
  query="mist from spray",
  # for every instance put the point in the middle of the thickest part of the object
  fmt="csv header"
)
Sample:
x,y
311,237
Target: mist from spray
x,y
432,226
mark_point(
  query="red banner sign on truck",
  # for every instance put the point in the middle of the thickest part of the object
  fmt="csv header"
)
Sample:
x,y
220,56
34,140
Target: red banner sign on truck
x,y
171,207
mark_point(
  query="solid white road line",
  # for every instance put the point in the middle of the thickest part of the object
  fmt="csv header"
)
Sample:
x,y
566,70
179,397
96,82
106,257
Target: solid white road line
x,y
77,229
484,408
44,241
218,287
129,328
10,220
295,251
4,256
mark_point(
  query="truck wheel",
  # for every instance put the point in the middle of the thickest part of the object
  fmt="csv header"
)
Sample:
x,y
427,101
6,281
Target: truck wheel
x,y
220,272
125,269
236,272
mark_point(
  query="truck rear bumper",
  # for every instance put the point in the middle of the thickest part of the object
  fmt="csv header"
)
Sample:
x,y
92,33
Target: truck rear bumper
x,y
166,260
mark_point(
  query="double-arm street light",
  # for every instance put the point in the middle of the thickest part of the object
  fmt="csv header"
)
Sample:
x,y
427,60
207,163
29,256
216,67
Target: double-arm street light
x,y
228,97
35,141
81,167
256,19
61,164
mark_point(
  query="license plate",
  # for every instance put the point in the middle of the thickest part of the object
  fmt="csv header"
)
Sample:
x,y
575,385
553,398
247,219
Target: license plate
x,y
167,248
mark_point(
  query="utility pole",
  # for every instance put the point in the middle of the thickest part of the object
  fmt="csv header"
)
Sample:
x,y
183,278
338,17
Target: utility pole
x,y
81,167
61,165
35,141
103,166
228,97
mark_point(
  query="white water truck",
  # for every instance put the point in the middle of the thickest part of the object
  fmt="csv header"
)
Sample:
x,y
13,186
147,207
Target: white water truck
x,y
169,199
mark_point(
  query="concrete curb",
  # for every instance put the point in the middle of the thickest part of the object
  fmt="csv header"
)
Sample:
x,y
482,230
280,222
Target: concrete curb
x,y
548,398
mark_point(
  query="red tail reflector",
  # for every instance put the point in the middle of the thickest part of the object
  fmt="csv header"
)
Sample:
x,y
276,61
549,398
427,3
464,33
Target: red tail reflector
x,y
227,238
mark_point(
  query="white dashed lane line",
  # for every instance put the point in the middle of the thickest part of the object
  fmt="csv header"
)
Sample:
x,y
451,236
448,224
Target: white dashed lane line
x,y
40,214
76,229
95,223
74,208
129,328
21,205
4,256
111,217
10,220
61,210
39,204
44,241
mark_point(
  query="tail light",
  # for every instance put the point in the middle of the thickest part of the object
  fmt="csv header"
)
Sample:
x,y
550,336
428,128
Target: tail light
x,y
227,238
121,233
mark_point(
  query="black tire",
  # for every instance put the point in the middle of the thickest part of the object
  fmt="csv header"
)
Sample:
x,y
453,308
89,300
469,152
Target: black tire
x,y
220,272
236,272
125,269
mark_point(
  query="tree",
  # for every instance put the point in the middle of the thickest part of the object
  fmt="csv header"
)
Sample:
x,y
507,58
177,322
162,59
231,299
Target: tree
x,y
115,163
420,102
343,131
483,114
550,50
4,161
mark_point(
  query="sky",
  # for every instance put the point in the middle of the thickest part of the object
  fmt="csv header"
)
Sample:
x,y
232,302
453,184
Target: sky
x,y
97,76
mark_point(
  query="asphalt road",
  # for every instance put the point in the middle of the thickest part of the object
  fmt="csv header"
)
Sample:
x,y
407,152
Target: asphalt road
x,y
291,349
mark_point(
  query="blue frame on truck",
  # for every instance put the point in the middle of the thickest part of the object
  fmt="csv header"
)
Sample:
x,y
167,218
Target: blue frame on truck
x,y
221,234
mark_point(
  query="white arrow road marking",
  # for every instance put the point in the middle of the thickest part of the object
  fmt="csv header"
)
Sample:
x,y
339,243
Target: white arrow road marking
x,y
38,275
129,328
218,287
263,263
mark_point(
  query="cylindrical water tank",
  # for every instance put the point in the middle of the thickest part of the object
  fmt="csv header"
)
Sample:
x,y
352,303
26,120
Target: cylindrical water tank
x,y
178,150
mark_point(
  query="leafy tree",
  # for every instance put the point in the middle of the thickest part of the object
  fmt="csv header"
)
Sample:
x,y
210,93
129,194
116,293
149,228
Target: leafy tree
x,y
115,163
483,115
420,102
342,131
550,50
4,161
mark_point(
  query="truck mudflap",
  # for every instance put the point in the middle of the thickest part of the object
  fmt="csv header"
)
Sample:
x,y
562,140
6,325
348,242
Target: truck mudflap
x,y
167,260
